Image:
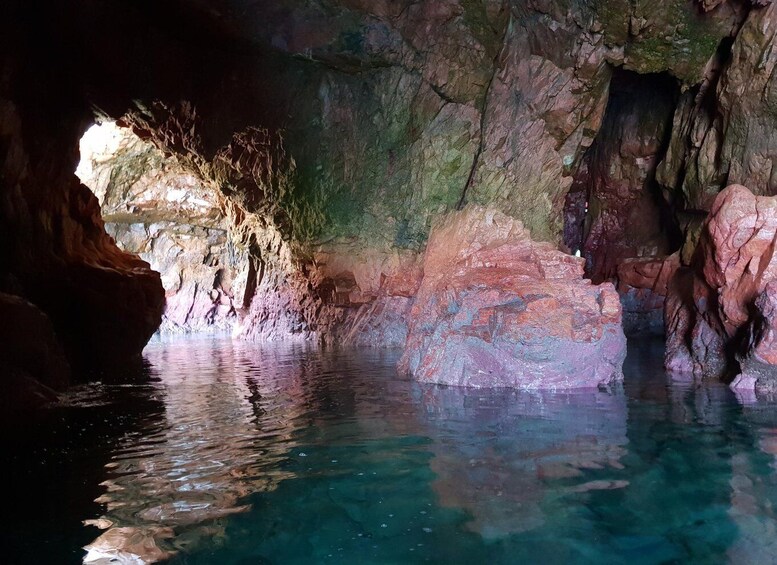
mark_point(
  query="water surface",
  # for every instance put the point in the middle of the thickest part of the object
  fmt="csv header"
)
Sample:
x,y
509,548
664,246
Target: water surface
x,y
228,452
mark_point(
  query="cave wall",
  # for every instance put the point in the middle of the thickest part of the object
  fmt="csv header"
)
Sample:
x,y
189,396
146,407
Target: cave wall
x,y
336,131
154,208
103,304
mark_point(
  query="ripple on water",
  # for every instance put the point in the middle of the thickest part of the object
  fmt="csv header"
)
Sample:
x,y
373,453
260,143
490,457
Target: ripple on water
x,y
290,454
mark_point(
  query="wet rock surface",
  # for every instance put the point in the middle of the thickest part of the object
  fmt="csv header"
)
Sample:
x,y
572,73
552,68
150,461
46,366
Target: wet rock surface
x,y
758,351
643,285
496,309
334,134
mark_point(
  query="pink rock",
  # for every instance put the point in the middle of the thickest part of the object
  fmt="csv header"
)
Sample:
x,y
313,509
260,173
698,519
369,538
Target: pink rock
x,y
709,304
496,309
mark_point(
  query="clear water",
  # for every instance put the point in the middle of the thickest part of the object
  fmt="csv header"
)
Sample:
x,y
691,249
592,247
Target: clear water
x,y
224,452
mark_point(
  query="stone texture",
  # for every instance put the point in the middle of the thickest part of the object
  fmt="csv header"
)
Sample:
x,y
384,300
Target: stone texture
x,y
105,304
496,309
710,303
721,133
341,128
626,214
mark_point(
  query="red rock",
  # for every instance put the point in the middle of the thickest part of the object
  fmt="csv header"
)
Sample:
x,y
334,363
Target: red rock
x,y
496,309
709,304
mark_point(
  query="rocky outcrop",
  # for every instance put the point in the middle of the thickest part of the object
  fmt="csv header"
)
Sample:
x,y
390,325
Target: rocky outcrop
x,y
496,309
104,304
710,303
722,131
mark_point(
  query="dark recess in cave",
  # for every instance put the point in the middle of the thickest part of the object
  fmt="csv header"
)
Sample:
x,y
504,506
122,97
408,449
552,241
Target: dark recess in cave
x,y
615,208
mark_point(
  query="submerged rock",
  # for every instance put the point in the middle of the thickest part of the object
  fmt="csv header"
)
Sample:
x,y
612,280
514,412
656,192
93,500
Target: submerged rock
x,y
496,309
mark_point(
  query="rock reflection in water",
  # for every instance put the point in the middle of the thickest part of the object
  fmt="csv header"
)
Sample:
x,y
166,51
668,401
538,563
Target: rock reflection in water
x,y
298,455
754,486
230,413
504,455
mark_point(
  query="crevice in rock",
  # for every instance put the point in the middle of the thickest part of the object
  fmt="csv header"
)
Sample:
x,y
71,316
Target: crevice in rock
x,y
484,112
615,209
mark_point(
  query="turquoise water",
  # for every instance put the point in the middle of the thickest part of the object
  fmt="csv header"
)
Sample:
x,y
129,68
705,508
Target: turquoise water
x,y
226,452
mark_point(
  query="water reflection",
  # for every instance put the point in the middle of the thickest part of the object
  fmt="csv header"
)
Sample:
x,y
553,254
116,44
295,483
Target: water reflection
x,y
230,413
248,454
508,457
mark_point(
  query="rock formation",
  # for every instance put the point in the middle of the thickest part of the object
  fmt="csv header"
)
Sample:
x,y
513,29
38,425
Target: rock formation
x,y
333,135
495,309
711,302
643,285
758,351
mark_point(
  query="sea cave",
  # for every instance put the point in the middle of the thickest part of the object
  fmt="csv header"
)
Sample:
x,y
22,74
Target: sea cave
x,y
372,281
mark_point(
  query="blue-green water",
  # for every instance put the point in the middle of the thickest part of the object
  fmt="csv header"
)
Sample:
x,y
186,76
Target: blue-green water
x,y
220,452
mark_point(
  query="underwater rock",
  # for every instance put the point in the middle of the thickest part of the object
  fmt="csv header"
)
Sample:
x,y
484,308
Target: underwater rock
x,y
496,309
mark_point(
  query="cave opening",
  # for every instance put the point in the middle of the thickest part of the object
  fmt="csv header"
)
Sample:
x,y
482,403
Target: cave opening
x,y
155,208
615,209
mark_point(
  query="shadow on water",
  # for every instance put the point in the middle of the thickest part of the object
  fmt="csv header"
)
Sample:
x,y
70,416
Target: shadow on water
x,y
227,452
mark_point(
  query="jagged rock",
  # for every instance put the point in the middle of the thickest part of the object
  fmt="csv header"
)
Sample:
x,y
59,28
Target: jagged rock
x,y
722,131
104,304
758,352
709,304
616,178
496,309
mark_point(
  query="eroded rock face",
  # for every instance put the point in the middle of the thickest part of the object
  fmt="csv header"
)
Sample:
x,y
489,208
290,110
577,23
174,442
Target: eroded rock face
x,y
616,179
496,309
710,303
105,304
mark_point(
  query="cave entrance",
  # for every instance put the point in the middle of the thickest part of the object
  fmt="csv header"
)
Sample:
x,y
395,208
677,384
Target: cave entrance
x,y
615,209
153,207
